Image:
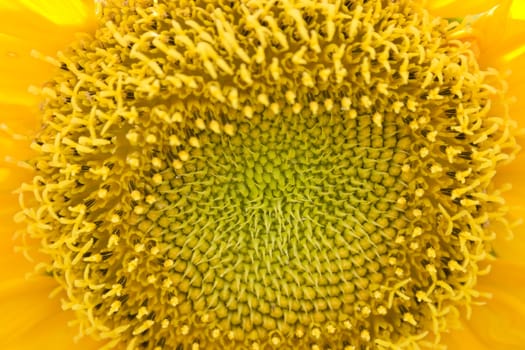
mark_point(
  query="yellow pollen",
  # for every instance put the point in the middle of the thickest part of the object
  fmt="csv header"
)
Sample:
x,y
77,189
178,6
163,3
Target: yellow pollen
x,y
216,333
316,333
156,162
139,210
102,193
174,140
194,142
215,127
229,129
184,156
200,124
378,119
177,164
151,138
365,335
165,323
174,301
133,162
299,333
132,137
382,310
157,179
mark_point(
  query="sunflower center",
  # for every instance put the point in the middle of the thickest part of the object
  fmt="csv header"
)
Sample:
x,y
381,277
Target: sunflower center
x,y
235,174
283,223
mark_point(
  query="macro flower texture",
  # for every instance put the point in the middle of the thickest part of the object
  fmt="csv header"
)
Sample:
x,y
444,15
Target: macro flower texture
x,y
246,174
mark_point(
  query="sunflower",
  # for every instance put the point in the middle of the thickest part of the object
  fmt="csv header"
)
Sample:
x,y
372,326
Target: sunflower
x,y
297,174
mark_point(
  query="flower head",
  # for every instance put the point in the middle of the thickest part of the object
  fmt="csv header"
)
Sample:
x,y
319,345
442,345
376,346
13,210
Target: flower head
x,y
299,174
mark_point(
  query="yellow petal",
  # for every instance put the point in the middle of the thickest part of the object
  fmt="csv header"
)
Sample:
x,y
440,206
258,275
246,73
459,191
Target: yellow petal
x,y
507,275
36,25
462,339
498,47
19,122
500,322
71,12
511,174
23,30
518,9
513,40
31,320
459,8
19,70
9,5
497,324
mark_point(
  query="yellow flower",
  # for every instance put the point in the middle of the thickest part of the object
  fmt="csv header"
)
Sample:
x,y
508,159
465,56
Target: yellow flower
x,y
119,214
